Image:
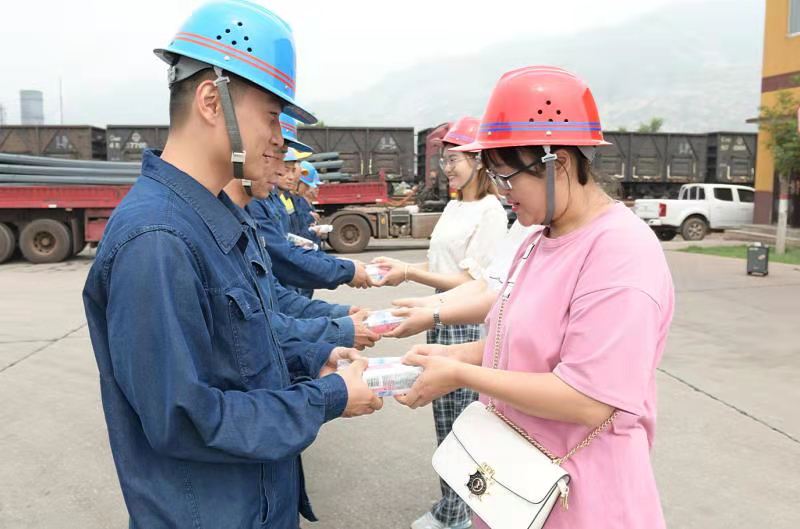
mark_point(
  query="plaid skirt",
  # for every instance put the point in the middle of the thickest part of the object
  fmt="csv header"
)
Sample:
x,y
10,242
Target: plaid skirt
x,y
450,509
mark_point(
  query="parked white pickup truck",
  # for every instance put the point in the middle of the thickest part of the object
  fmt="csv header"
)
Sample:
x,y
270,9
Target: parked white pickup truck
x,y
700,208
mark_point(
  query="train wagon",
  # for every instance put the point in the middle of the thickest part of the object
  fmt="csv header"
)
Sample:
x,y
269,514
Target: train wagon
x,y
126,143
366,151
75,142
656,165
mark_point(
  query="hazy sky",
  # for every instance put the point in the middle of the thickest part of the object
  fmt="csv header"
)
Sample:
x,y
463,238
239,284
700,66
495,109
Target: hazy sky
x,y
102,49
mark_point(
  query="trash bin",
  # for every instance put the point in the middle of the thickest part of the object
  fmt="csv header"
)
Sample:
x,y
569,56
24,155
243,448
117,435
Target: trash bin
x,y
758,259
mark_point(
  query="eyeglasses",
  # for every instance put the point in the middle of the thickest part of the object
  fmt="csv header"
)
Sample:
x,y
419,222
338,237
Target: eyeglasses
x,y
450,161
503,182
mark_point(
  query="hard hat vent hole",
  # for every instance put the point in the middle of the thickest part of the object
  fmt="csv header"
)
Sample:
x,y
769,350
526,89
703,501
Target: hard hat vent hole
x,y
219,37
558,112
233,42
246,37
227,30
566,121
548,101
540,112
250,50
550,120
531,120
239,24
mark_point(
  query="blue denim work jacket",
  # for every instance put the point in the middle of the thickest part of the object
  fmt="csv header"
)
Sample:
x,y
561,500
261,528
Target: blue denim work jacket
x,y
204,421
295,266
305,220
296,317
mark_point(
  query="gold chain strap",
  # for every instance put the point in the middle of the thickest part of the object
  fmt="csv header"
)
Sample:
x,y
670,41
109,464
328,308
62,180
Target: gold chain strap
x,y
491,407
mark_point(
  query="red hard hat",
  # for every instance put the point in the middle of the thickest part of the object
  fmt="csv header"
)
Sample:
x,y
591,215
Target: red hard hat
x,y
462,131
539,105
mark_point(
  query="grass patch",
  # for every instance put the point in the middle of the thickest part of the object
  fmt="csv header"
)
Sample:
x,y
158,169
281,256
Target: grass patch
x,y
792,255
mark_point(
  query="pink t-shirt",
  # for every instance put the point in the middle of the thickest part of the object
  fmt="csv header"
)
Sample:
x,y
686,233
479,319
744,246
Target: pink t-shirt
x,y
594,307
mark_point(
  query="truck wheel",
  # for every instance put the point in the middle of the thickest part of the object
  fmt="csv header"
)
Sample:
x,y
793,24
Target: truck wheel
x,y
7,243
694,229
350,234
666,235
45,241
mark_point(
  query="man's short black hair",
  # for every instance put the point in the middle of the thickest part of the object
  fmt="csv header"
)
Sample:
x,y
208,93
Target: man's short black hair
x,y
181,94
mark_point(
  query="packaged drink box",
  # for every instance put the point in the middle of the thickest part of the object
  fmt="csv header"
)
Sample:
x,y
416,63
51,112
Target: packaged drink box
x,y
382,321
377,272
388,376
301,241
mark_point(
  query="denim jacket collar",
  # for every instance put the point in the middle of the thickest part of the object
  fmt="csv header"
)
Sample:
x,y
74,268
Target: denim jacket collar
x,y
222,217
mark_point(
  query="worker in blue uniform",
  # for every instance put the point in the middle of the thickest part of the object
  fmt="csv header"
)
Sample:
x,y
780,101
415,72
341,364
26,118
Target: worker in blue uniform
x,y
304,209
294,266
207,414
286,186
297,317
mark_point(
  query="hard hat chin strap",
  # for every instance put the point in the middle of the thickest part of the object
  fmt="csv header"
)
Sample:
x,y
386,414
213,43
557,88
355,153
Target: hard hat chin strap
x,y
248,186
549,160
238,153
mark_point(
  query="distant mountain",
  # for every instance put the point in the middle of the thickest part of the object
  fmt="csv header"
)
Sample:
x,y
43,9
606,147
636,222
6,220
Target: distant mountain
x,y
697,65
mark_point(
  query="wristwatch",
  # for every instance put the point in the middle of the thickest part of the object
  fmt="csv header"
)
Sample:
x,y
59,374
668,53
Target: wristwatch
x,y
437,322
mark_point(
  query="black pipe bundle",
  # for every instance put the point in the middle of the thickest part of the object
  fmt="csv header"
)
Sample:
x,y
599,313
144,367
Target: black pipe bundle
x,y
20,169
336,177
328,165
43,161
322,156
25,179
65,171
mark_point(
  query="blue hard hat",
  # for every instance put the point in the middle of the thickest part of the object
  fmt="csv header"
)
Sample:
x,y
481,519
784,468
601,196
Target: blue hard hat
x,y
244,39
289,131
290,156
309,176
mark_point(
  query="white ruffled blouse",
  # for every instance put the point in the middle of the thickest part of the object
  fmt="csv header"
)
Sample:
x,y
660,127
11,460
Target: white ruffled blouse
x,y
466,236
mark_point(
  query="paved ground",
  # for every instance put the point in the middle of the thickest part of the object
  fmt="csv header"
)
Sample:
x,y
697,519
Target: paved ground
x,y
727,455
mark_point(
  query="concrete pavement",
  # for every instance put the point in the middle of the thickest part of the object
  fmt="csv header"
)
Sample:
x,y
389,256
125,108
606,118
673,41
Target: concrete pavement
x,y
727,453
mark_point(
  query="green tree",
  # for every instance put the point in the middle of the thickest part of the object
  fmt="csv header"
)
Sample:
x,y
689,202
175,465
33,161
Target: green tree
x,y
654,125
779,122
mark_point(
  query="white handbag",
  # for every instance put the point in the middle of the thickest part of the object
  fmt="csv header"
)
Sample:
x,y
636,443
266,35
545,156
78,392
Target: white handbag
x,y
503,474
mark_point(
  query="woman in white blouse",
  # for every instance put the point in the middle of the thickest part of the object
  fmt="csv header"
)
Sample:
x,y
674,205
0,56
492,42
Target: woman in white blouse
x,y
461,248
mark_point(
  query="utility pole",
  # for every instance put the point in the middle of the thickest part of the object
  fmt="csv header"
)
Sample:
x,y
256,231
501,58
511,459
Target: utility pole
x,y
783,214
60,101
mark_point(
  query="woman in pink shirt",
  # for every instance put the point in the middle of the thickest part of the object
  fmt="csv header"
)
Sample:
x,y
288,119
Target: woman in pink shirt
x,y
586,321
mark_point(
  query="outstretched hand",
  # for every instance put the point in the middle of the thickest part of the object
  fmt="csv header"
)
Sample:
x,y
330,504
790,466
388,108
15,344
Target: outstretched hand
x,y
440,375
396,271
362,335
337,354
360,277
417,320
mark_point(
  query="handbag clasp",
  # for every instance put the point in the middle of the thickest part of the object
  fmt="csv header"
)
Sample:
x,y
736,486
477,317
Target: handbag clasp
x,y
479,481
